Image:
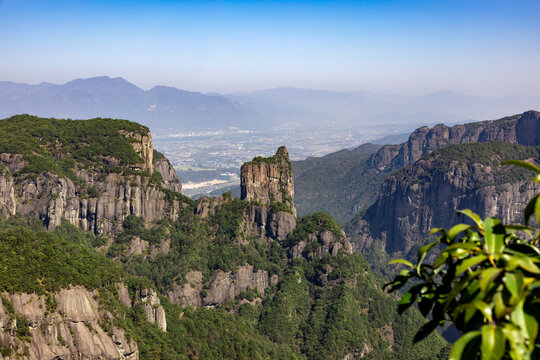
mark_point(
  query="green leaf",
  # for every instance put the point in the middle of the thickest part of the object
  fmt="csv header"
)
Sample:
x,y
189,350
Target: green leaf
x,y
479,305
527,324
409,298
456,229
500,308
516,348
401,261
488,276
493,343
514,283
459,286
422,253
530,208
494,237
523,164
461,350
474,217
460,249
537,210
526,263
441,260
425,330
469,263
515,227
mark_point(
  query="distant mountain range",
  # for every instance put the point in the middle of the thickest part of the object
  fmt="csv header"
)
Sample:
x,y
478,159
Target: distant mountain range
x,y
165,109
161,107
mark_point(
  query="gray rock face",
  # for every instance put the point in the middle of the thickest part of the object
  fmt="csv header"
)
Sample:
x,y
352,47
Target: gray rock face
x,y
205,207
528,128
414,201
51,198
142,146
188,294
267,181
153,309
320,244
73,332
171,180
224,286
425,140
268,225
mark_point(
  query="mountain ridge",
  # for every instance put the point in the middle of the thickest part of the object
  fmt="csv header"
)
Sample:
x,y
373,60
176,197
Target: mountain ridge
x,y
166,108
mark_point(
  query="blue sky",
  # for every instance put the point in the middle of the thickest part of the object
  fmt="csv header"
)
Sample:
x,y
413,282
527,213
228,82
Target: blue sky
x,y
478,47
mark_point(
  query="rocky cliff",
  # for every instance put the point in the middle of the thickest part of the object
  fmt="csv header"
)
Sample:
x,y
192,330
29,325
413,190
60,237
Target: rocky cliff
x,y
346,182
427,194
74,331
269,180
522,128
266,219
71,324
95,194
169,177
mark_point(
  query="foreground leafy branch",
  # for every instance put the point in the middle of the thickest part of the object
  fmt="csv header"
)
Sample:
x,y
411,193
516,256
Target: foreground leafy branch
x,y
485,280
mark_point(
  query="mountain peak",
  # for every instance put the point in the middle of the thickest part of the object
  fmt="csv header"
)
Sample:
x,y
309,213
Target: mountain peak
x,y
101,82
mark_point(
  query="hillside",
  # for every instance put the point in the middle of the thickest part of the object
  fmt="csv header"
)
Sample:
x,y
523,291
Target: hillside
x,y
340,183
347,182
427,194
130,268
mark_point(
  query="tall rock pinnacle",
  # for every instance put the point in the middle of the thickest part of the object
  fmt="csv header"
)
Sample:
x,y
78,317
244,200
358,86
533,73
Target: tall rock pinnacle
x,y
269,180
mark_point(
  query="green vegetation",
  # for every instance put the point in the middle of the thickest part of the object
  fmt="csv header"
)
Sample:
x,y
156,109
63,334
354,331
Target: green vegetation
x,y
313,224
203,245
36,261
489,153
60,146
341,183
157,156
485,280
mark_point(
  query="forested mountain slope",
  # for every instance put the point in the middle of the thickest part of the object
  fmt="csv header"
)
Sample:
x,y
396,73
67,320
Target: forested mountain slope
x,y
347,182
427,194
340,183
130,268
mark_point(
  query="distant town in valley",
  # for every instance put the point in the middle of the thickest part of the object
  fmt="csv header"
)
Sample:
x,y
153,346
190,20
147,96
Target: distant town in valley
x,y
208,161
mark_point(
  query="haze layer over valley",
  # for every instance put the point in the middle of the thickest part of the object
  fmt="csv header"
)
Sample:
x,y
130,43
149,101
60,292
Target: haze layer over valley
x,y
217,132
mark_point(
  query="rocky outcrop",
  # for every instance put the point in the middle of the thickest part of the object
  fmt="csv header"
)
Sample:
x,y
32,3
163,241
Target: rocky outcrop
x,y
142,145
71,332
269,180
205,207
96,200
226,286
52,198
428,193
425,140
223,286
267,224
153,309
188,294
171,181
317,245
528,128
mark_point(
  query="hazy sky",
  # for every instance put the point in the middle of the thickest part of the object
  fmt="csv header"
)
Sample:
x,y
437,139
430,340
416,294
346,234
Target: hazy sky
x,y
477,47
